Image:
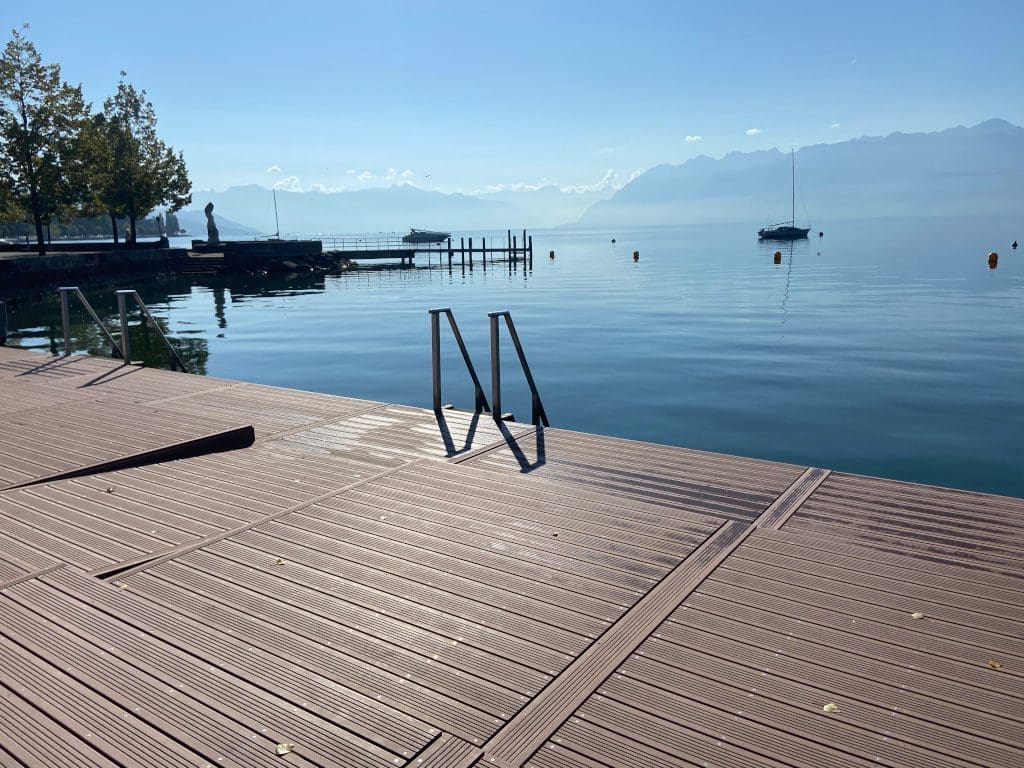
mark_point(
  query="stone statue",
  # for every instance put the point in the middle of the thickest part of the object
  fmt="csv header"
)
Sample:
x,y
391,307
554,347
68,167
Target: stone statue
x,y
212,235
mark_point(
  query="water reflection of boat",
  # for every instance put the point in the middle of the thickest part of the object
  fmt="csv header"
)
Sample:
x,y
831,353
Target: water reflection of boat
x,y
425,236
786,230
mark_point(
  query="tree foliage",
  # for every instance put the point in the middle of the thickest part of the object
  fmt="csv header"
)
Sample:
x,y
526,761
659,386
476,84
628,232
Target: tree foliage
x,y
139,171
40,121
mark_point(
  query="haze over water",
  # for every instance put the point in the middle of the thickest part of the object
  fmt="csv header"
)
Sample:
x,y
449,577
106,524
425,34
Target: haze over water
x,y
885,348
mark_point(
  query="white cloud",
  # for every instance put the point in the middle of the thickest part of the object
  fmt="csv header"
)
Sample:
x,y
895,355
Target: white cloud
x,y
834,125
392,174
519,186
608,180
289,184
407,174
634,174
274,169
753,131
366,176
350,172
693,139
324,189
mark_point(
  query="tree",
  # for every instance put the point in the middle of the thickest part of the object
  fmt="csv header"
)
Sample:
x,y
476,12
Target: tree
x,y
40,118
146,172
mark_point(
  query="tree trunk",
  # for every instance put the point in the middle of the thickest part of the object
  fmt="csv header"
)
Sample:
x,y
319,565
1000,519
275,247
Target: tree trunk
x,y
131,223
40,240
113,226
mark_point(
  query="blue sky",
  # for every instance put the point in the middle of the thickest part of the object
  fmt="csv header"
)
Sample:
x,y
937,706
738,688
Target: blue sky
x,y
469,95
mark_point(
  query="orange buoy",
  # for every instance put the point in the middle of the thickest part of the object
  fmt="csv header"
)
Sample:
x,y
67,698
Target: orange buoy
x,y
636,255
993,260
777,258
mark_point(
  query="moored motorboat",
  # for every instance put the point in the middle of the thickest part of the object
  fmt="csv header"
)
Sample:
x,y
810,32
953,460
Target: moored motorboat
x,y
425,236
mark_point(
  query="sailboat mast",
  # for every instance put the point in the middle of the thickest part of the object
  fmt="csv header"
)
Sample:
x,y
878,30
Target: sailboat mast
x,y
277,224
792,165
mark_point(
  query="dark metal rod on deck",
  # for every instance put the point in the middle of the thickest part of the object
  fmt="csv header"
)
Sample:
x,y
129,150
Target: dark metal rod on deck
x,y
435,355
173,357
65,317
539,414
495,365
122,311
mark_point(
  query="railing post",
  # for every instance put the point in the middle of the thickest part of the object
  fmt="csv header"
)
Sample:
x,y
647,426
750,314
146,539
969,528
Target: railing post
x,y
495,366
3,323
122,311
65,317
435,355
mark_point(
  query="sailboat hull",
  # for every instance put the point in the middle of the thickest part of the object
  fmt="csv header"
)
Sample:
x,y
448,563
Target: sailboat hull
x,y
783,233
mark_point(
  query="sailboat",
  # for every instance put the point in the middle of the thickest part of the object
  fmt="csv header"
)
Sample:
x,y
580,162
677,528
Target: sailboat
x,y
277,224
786,230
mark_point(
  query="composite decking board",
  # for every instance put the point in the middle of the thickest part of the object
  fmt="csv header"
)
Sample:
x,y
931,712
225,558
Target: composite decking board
x,y
603,451
929,655
780,510
23,398
474,570
927,496
657,686
538,719
227,555
439,542
235,638
388,566
302,607
640,487
448,751
29,738
598,736
57,539
685,672
459,603
856,511
830,588
244,700
600,525
835,675
106,534
283,672
911,571
598,558
206,729
926,548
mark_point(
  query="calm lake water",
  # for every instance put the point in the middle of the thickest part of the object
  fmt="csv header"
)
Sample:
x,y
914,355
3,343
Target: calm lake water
x,y
886,347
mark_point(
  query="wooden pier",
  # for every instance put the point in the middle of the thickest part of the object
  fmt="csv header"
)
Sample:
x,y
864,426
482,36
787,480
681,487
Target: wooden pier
x,y
196,571
512,249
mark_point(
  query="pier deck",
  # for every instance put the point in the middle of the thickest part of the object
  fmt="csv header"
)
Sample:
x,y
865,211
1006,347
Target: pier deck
x,y
370,585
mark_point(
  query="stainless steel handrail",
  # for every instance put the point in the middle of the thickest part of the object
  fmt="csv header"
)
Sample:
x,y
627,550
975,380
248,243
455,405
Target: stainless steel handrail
x,y
435,359
3,323
65,316
538,413
174,359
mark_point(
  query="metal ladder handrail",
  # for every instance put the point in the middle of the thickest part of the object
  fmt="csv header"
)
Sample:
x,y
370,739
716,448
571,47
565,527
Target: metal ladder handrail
x,y
65,316
539,415
174,358
435,359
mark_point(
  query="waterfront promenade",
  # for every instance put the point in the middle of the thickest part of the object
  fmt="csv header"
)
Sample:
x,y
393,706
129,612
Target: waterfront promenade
x,y
202,572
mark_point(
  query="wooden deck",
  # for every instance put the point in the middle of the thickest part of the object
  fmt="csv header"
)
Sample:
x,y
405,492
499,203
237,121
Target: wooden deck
x,y
366,584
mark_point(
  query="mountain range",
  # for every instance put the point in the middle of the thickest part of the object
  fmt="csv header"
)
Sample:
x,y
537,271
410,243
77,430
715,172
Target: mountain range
x,y
960,171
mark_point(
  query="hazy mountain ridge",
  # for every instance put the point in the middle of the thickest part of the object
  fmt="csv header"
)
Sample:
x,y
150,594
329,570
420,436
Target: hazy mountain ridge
x,y
958,171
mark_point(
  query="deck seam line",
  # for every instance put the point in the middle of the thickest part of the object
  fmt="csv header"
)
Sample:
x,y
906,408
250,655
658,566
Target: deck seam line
x,y
151,561
322,422
790,500
29,576
183,395
531,727
492,447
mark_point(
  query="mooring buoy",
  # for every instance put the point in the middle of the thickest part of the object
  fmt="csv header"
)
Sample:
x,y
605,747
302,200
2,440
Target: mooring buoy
x,y
777,258
551,255
613,239
993,260
636,255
